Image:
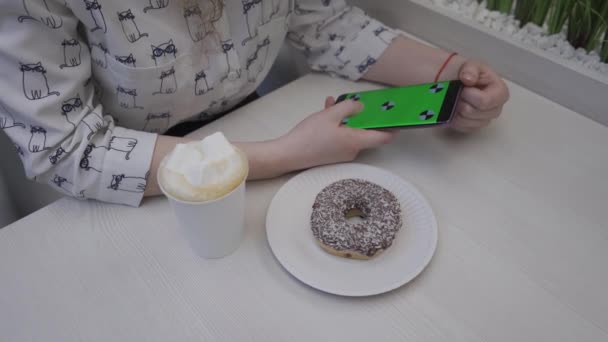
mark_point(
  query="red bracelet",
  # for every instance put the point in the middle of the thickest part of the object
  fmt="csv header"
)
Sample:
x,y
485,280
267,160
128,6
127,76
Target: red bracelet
x,y
445,64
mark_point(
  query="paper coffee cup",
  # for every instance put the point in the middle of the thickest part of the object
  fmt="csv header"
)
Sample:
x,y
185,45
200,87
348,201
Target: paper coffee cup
x,y
214,228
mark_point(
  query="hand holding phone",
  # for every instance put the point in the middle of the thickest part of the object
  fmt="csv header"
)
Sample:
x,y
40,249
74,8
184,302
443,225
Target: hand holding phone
x,y
403,107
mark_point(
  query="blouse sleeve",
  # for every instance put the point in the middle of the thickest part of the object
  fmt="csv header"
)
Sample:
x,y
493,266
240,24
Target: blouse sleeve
x,y
337,38
49,110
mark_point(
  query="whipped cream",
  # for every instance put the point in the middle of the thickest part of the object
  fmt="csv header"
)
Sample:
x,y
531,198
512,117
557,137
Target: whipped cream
x,y
203,170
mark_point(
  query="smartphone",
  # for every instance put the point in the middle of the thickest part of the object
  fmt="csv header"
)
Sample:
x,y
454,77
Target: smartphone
x,y
413,106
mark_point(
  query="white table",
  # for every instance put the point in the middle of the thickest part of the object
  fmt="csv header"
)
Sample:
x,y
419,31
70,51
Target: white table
x,y
522,255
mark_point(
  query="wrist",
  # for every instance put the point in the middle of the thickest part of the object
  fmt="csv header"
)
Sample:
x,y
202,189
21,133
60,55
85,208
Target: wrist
x,y
452,69
268,159
285,157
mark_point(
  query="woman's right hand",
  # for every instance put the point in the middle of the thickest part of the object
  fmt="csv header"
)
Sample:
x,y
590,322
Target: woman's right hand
x,y
322,139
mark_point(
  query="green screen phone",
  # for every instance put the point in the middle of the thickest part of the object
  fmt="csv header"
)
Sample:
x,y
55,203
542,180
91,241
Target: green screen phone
x,y
413,106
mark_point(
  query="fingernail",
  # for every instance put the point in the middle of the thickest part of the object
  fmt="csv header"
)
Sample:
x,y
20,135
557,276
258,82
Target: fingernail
x,y
468,77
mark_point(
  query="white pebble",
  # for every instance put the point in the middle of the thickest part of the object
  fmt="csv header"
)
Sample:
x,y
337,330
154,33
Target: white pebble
x,y
567,51
531,34
495,15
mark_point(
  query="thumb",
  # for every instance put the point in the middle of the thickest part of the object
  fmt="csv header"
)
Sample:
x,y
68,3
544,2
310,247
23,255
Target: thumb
x,y
329,101
345,109
469,73
373,138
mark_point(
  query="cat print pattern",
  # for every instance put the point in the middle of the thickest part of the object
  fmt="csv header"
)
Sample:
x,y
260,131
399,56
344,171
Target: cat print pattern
x,y
157,122
199,24
194,22
270,8
156,4
201,85
7,120
127,183
39,10
72,108
63,184
57,155
122,144
126,60
257,62
37,139
71,53
34,81
329,4
384,34
365,24
99,22
99,55
126,98
231,61
92,158
168,82
332,36
338,54
365,64
67,187
164,53
252,10
129,26
151,64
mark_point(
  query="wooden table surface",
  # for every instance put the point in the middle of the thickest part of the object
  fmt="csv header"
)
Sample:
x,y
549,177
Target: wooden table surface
x,y
522,253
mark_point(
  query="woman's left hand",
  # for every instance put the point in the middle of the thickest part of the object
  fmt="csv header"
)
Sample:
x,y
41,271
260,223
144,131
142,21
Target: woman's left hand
x,y
482,98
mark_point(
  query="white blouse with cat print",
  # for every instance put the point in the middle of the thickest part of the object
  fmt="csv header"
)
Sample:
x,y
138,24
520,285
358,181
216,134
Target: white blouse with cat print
x,y
88,84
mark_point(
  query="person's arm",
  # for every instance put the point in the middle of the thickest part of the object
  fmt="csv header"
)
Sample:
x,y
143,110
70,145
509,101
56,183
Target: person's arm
x,y
61,135
343,41
267,159
56,123
317,140
50,112
336,38
407,62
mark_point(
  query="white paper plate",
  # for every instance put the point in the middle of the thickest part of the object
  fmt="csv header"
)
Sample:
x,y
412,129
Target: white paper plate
x,y
292,242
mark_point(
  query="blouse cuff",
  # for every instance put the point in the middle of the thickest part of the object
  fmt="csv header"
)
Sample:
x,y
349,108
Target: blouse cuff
x,y
126,168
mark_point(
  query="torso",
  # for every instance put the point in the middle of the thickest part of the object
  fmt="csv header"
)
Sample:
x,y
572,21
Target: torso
x,y
169,60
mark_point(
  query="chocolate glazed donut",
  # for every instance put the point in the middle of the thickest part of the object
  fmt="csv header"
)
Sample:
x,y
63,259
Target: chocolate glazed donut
x,y
377,207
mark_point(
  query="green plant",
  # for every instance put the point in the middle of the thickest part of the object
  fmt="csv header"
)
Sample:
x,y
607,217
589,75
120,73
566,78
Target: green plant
x,y
534,11
503,6
523,11
540,11
558,15
604,50
587,23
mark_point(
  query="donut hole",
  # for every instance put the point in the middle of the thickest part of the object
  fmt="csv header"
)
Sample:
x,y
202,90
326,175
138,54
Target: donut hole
x,y
354,215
